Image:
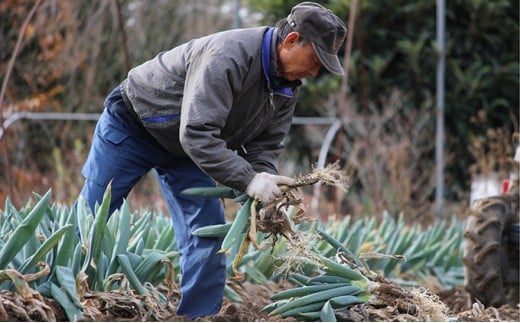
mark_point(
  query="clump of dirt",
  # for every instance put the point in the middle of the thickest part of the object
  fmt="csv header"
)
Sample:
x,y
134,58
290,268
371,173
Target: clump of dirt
x,y
112,307
275,217
461,308
389,302
403,305
479,313
16,307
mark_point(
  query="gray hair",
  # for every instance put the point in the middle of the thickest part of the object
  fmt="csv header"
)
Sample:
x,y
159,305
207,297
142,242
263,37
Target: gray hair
x,y
284,28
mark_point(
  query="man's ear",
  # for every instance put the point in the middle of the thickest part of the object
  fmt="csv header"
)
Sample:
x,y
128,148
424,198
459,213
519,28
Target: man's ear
x,y
291,39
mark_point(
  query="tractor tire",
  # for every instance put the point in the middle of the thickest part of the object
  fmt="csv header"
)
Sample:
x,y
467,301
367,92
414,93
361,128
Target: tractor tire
x,y
490,258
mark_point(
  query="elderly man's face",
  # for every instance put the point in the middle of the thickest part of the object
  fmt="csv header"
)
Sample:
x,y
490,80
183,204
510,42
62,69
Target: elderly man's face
x,y
296,61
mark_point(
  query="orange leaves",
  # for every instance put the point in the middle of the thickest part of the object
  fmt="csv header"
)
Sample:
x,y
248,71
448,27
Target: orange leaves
x,y
51,46
37,102
30,31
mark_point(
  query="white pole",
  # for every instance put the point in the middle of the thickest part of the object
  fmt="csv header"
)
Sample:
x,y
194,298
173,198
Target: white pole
x,y
237,23
439,138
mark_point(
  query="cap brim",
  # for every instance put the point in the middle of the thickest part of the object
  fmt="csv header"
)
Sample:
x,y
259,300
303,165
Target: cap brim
x,y
329,61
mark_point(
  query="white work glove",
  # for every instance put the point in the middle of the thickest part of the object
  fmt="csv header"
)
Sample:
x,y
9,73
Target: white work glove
x,y
264,186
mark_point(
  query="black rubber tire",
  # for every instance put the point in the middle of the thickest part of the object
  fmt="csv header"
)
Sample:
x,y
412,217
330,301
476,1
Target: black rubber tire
x,y
489,258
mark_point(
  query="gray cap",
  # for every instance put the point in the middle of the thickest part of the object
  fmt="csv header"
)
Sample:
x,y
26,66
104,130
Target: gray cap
x,y
323,29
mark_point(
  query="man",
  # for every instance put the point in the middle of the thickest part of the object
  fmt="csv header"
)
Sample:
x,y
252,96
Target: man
x,y
214,109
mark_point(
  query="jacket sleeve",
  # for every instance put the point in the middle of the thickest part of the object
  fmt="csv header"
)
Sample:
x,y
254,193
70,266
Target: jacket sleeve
x,y
211,82
263,151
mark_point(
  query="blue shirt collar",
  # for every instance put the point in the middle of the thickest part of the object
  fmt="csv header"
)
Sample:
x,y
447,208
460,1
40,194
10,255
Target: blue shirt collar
x,y
274,83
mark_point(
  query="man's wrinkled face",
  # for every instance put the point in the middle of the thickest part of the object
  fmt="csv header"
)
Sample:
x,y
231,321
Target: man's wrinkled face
x,y
296,60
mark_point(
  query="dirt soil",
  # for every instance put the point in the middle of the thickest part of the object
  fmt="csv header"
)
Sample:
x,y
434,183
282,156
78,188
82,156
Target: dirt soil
x,y
110,307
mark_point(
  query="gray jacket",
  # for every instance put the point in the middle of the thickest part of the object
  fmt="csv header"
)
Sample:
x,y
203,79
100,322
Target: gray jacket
x,y
210,99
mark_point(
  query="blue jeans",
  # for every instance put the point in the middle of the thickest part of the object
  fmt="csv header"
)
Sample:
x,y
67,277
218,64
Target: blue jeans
x,y
124,153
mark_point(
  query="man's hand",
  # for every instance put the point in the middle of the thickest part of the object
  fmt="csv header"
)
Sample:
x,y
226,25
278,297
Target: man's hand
x,y
264,186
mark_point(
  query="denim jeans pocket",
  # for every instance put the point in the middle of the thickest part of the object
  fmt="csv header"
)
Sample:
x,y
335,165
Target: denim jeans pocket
x,y
108,142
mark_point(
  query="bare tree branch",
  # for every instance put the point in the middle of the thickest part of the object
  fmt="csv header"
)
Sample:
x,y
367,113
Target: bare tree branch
x,y
17,47
14,55
122,31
